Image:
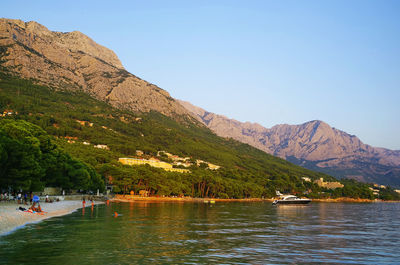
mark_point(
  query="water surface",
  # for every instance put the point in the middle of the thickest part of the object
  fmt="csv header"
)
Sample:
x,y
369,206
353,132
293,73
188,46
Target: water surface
x,y
198,233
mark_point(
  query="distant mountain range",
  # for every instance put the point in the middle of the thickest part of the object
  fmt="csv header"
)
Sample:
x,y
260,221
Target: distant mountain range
x,y
314,145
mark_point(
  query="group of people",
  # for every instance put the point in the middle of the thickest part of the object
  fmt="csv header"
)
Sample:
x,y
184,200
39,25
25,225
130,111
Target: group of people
x,y
84,201
16,197
20,198
4,196
35,207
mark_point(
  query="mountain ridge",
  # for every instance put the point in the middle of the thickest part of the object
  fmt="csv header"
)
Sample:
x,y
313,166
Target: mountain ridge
x,y
313,144
73,61
80,123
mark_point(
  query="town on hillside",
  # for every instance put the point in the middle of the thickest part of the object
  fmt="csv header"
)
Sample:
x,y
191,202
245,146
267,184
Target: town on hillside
x,y
168,162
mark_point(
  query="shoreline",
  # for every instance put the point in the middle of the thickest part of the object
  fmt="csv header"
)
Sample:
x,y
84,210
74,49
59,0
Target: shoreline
x,y
12,219
134,198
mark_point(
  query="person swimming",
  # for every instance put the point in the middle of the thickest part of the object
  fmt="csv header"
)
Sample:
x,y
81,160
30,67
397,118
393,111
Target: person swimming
x,y
117,214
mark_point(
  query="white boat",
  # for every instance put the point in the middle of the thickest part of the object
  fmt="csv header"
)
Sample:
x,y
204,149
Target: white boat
x,y
290,199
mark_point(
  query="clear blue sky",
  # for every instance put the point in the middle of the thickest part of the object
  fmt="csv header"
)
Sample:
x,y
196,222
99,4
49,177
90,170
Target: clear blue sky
x,y
269,62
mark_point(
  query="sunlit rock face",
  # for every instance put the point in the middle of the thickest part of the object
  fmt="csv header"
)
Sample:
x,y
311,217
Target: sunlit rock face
x,y
314,145
71,60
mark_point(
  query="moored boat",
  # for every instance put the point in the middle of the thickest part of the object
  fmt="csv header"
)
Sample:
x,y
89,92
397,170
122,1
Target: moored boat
x,y
290,199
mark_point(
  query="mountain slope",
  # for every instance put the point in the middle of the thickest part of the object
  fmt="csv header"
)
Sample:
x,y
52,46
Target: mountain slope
x,y
314,145
75,73
78,122
73,61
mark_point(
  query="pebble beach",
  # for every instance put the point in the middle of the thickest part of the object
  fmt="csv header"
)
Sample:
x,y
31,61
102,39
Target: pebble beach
x,y
11,218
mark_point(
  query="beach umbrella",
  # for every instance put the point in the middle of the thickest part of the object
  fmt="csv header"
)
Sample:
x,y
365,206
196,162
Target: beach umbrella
x,y
36,198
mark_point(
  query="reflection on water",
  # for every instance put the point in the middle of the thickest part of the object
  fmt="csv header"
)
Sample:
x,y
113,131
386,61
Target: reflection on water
x,y
233,233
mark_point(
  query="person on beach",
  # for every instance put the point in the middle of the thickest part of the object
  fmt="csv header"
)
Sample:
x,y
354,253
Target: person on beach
x,y
36,209
83,202
26,198
47,199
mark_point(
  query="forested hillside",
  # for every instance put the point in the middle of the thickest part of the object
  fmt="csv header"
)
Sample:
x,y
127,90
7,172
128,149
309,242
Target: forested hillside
x,y
29,160
78,122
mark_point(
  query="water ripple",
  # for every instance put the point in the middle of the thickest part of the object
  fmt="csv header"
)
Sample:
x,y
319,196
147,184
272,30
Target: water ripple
x,y
225,233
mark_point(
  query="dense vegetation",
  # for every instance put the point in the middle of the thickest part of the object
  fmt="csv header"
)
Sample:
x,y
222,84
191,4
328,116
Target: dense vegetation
x,y
29,160
245,171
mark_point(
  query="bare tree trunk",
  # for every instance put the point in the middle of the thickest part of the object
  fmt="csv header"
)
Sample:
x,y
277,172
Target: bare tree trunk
x,y
208,188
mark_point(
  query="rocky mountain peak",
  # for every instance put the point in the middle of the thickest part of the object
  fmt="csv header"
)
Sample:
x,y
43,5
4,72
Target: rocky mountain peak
x,y
74,41
72,60
314,144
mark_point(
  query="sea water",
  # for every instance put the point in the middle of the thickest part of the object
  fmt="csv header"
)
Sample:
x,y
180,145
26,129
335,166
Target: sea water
x,y
198,233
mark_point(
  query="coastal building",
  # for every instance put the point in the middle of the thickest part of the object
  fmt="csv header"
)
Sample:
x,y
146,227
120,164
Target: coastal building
x,y
199,162
306,179
159,153
84,123
379,186
102,146
213,167
144,193
172,156
184,164
152,162
81,122
374,191
71,139
209,165
329,185
180,170
185,161
8,113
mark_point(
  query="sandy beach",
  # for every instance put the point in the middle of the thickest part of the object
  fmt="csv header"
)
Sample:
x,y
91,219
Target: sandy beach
x,y
11,218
